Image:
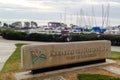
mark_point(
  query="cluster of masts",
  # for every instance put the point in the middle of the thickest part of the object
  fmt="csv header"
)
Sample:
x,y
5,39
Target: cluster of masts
x,y
82,18
84,23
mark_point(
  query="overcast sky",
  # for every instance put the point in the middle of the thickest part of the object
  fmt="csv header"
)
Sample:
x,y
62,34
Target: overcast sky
x,y
54,10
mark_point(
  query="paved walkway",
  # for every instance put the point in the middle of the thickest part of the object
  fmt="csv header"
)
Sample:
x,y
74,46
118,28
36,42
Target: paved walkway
x,y
115,48
7,47
112,69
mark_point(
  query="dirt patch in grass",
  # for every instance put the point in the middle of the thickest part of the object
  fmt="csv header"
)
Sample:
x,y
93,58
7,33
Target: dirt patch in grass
x,y
72,75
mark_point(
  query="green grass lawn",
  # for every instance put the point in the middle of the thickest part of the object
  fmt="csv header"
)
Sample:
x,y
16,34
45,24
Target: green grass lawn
x,y
13,65
115,55
95,77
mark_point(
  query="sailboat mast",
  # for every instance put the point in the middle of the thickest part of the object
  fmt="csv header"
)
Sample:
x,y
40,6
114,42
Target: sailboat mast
x,y
108,8
61,17
94,15
102,16
81,18
77,19
84,18
88,17
71,19
65,16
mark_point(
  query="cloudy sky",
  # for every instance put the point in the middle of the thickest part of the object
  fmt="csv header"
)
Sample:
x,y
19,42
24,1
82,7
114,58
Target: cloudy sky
x,y
79,12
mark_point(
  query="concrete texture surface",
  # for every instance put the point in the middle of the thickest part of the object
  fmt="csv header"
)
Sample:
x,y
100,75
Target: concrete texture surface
x,y
7,47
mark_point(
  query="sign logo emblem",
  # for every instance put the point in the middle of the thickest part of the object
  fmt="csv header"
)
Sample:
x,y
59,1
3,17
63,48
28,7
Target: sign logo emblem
x,y
36,57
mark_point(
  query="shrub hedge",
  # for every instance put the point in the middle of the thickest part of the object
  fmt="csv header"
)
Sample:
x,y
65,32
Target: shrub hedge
x,y
39,37
115,39
84,37
13,35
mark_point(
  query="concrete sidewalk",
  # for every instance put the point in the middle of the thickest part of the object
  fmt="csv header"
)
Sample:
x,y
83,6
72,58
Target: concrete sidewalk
x,y
6,49
115,48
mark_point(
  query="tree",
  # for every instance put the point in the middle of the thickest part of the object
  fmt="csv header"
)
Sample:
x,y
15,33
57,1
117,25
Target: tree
x,y
5,25
27,25
118,26
33,24
11,26
17,24
0,23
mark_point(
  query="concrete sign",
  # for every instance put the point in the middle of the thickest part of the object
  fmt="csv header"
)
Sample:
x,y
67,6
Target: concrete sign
x,y
57,54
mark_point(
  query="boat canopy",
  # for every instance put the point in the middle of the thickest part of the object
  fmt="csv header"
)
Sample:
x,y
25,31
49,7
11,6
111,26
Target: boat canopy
x,y
98,29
